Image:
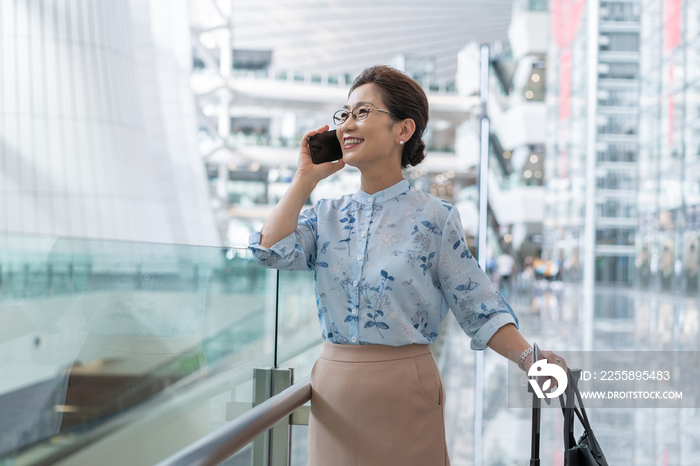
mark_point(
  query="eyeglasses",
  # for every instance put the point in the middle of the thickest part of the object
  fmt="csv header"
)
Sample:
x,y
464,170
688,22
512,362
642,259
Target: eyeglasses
x,y
359,113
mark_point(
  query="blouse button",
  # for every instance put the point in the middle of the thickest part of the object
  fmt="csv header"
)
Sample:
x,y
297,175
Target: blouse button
x,y
354,283
354,311
370,199
359,258
362,234
353,339
368,213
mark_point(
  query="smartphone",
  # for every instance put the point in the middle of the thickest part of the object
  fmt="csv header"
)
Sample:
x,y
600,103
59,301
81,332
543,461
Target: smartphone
x,y
325,147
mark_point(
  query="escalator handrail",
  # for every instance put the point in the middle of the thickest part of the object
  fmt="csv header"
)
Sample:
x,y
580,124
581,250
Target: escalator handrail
x,y
224,442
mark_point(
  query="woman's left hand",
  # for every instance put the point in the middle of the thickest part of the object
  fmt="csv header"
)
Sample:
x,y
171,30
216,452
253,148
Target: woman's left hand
x,y
552,358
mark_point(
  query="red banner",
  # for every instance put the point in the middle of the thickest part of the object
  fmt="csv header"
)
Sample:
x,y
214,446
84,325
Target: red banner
x,y
672,39
672,24
566,16
565,84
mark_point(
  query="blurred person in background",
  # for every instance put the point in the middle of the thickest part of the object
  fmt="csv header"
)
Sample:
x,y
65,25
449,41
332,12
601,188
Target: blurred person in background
x,y
505,268
527,275
692,262
667,263
389,261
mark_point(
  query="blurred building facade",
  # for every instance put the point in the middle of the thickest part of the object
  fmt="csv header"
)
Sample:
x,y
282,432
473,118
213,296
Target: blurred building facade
x,y
612,117
669,147
646,186
97,133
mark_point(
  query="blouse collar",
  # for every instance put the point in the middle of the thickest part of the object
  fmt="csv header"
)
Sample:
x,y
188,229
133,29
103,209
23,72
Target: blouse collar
x,y
383,195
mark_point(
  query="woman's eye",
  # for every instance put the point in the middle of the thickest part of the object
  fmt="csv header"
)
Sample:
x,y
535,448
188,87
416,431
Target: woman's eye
x,y
362,111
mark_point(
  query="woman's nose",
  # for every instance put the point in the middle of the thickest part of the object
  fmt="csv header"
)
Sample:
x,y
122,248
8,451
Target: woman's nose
x,y
347,124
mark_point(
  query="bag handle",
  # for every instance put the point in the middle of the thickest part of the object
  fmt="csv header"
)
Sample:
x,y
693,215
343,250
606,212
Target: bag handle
x,y
576,411
572,394
567,410
586,424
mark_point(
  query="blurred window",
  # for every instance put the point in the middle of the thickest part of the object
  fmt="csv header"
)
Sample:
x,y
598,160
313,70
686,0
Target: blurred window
x,y
620,11
619,42
246,192
617,153
257,62
617,180
617,208
618,125
619,236
618,71
538,5
618,98
618,269
249,131
422,70
531,5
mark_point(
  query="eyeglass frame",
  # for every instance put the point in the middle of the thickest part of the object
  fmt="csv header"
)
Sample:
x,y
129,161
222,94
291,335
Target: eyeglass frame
x,y
352,112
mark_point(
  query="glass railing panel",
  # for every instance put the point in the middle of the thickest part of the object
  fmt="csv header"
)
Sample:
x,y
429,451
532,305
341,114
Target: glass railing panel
x,y
299,341
122,352
299,327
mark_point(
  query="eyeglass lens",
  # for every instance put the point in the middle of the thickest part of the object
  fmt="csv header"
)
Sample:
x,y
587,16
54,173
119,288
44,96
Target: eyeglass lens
x,y
358,113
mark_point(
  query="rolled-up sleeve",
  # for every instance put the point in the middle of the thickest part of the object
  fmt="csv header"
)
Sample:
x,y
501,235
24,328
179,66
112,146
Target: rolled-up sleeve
x,y
294,252
478,307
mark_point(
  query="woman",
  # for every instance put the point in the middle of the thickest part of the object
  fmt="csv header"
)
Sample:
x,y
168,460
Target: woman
x,y
389,262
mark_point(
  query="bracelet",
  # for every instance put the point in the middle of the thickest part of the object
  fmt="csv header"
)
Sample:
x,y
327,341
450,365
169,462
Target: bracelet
x,y
523,357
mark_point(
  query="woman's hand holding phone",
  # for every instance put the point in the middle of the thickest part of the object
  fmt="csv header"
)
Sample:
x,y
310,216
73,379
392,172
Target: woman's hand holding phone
x,y
306,166
282,221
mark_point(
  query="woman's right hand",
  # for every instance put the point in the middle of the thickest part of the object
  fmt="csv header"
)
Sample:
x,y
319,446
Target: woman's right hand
x,y
307,168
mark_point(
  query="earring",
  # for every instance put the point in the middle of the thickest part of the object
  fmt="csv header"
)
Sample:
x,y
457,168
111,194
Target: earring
x,y
400,142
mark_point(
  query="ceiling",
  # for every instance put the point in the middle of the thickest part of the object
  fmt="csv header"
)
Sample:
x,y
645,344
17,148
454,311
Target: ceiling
x,y
337,37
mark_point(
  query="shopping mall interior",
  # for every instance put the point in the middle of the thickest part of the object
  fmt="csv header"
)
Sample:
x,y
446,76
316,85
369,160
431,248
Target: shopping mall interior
x,y
142,142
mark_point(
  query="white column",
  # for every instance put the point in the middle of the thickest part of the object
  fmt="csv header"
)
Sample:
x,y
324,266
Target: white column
x,y
483,228
591,136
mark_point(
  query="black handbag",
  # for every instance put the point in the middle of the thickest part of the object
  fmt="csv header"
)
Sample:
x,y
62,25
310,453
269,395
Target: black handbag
x,y
587,451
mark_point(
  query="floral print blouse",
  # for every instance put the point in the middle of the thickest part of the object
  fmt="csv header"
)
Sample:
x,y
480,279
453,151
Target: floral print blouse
x,y
388,267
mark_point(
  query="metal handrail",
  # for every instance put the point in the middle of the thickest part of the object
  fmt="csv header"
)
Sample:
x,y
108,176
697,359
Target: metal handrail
x,y
215,448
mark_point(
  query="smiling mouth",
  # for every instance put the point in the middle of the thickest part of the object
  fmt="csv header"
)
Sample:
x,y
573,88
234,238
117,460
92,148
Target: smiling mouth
x,y
352,142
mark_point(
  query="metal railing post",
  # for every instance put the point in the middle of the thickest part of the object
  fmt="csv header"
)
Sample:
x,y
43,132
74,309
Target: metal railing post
x,y
281,434
273,448
262,381
226,441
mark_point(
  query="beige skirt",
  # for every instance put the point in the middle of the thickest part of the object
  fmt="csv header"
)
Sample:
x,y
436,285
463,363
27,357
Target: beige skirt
x,y
377,405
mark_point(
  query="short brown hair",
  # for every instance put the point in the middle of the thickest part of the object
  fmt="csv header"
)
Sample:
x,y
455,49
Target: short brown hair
x,y
405,99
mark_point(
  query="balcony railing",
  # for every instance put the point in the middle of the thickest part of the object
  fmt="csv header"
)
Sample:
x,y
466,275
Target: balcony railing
x,y
322,79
